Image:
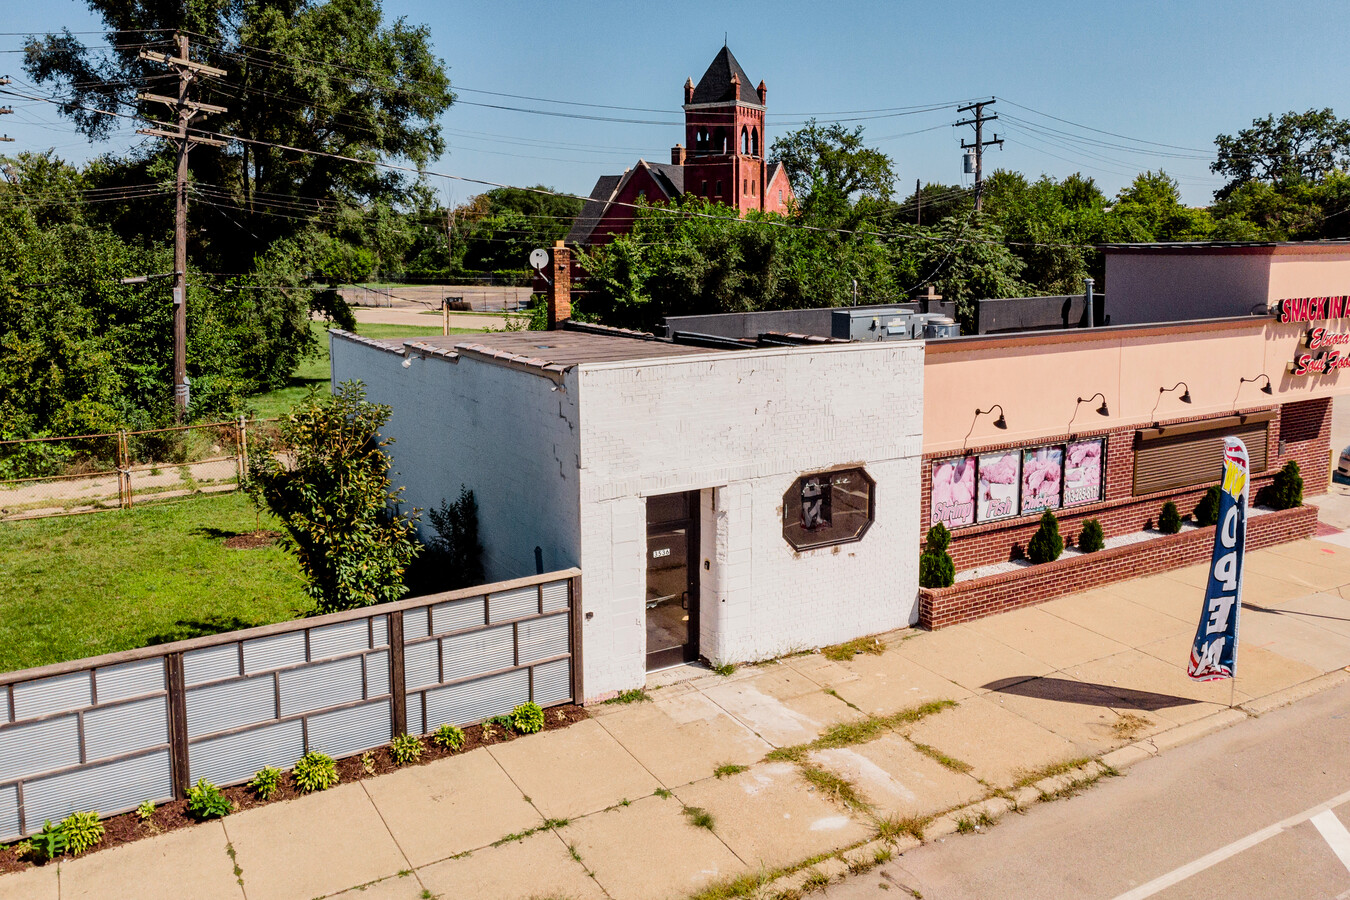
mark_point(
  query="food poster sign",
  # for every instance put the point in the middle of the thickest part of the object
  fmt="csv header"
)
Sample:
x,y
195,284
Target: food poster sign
x,y
1083,472
998,485
953,492
1042,473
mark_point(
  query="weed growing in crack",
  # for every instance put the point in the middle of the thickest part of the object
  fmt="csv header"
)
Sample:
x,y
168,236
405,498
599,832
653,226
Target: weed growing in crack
x,y
860,731
636,695
833,786
846,651
699,817
942,759
662,793
1029,777
728,769
892,828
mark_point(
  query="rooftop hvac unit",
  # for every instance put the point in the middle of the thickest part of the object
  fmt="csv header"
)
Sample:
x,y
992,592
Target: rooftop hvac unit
x,y
872,324
941,327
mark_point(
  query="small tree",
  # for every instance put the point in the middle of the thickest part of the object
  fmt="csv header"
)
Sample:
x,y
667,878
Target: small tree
x,y
326,477
936,569
1207,511
1046,544
1091,539
1286,490
1169,520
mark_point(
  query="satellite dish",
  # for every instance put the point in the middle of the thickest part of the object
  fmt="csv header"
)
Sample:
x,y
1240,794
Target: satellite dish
x,y
539,257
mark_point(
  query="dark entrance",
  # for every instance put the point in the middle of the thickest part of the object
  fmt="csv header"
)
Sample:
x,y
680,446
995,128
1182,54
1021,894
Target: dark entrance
x,y
672,579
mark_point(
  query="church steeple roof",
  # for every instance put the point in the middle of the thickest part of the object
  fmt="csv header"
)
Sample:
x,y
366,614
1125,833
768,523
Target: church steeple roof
x,y
716,84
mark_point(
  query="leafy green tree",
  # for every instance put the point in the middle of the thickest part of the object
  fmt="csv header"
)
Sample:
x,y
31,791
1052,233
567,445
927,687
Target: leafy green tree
x,y
965,259
319,75
1150,209
326,477
1295,147
835,176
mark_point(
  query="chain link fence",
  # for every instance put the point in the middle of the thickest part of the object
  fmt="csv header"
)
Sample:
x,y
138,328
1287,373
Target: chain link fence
x,y
57,476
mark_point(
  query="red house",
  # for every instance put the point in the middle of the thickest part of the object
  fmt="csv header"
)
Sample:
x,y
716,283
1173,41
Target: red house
x,y
724,162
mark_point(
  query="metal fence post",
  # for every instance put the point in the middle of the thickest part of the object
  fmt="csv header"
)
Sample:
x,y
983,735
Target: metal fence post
x,y
397,687
178,739
574,638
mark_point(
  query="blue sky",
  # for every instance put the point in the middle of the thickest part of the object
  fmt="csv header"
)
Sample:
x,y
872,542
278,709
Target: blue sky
x,y
1175,73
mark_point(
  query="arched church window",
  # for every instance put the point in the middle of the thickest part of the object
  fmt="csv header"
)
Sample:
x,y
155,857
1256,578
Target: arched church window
x,y
754,142
745,141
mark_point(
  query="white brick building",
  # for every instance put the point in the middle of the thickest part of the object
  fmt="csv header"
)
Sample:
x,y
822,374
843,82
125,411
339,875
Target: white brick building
x,y
673,476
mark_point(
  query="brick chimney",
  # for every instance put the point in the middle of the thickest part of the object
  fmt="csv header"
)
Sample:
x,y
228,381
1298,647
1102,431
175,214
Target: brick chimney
x,y
560,286
677,155
689,90
763,92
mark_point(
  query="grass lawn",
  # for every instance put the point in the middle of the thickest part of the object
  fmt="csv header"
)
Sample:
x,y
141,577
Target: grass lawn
x,y
83,585
314,371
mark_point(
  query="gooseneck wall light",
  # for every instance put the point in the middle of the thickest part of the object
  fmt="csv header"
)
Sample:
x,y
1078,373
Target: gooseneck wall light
x,y
1102,410
1000,422
1184,398
1265,389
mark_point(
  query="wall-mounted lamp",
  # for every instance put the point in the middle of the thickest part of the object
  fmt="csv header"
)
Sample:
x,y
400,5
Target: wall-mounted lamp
x,y
1185,394
1266,389
409,353
1000,422
1102,410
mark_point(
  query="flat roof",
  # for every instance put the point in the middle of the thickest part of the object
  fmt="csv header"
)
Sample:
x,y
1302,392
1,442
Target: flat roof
x,y
556,348
1223,246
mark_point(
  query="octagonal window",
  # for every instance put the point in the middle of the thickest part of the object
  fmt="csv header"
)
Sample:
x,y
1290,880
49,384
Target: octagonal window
x,y
825,508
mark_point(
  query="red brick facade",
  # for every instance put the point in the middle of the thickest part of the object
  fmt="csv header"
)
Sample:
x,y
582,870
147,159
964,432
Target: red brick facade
x,y
993,594
1301,431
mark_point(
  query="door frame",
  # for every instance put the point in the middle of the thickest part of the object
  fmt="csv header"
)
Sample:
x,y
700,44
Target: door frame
x,y
688,652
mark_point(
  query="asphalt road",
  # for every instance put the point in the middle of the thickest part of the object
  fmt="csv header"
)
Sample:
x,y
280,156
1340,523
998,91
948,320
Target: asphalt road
x,y
1257,811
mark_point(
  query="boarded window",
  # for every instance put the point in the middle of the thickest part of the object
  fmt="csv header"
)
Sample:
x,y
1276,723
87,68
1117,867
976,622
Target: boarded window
x,y
1182,456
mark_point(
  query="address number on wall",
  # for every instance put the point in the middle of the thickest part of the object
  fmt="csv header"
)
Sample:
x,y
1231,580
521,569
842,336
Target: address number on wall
x,y
657,554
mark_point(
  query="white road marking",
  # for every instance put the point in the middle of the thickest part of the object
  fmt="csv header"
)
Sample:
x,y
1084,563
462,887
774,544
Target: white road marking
x,y
1335,834
1163,882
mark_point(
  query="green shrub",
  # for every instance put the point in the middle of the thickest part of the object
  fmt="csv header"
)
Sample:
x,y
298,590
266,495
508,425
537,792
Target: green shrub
x,y
1169,520
1207,510
448,737
528,718
936,569
50,842
315,772
1286,490
266,782
83,830
1046,544
146,811
406,748
206,801
503,722
1091,539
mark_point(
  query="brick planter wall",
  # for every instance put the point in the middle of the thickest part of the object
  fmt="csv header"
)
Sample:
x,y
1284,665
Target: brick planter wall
x,y
993,594
1302,430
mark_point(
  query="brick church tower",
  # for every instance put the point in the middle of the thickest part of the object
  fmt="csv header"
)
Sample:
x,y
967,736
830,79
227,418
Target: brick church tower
x,y
724,134
723,162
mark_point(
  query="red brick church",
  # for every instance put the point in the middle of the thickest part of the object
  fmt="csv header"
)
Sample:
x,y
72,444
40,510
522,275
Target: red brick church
x,y
724,159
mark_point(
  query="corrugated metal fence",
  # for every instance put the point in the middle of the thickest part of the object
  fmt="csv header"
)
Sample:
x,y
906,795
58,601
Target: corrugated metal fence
x,y
109,732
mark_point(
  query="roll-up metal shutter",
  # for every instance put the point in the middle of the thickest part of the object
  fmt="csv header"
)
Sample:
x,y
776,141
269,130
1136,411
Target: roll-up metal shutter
x,y
1180,456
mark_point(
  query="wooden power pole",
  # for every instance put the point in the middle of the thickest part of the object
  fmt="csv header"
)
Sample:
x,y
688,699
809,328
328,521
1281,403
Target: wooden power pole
x,y
978,121
4,111
186,107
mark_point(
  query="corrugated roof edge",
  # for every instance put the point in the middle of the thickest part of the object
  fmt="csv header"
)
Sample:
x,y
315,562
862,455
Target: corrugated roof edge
x,y
358,339
1104,333
1202,246
531,364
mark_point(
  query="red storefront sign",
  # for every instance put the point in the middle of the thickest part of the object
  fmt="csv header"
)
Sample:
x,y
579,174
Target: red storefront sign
x,y
1313,309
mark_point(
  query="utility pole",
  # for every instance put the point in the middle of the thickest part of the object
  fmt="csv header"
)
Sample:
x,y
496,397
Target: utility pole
x,y
5,111
188,71
918,202
978,121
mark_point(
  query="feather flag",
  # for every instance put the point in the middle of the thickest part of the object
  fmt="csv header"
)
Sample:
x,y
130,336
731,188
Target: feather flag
x,y
1214,651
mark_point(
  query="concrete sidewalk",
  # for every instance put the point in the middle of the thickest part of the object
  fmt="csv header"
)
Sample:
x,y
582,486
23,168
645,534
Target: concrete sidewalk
x,y
611,807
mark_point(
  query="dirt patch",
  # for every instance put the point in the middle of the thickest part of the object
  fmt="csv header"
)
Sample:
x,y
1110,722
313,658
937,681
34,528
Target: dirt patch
x,y
252,540
129,827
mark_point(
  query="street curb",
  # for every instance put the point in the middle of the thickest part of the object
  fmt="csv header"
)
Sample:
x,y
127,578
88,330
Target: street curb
x,y
1262,705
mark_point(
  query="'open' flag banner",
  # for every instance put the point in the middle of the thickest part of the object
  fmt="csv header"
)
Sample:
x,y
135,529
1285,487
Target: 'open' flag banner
x,y
1214,652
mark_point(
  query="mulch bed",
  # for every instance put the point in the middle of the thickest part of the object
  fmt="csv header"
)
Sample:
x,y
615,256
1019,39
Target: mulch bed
x,y
128,827
252,540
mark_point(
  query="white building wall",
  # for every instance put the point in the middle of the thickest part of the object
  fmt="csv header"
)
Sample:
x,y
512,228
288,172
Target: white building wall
x,y
504,433
747,424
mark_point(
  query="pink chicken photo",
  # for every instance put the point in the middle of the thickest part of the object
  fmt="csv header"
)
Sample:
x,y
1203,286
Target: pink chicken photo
x,y
953,492
1041,471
